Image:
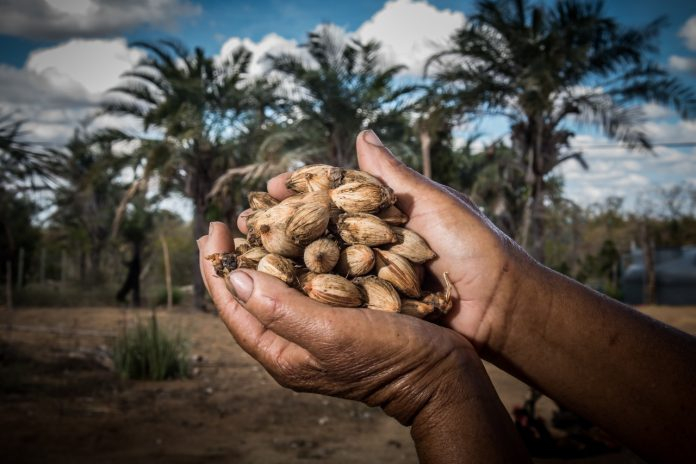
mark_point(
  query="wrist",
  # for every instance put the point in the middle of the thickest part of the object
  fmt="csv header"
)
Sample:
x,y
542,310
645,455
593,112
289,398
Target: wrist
x,y
464,418
459,379
422,392
521,294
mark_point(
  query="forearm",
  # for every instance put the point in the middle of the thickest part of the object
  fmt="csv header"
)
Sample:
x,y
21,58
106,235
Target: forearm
x,y
466,422
624,371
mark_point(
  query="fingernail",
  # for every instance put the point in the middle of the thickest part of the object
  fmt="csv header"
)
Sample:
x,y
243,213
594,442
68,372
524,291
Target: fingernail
x,y
371,138
211,228
198,242
243,284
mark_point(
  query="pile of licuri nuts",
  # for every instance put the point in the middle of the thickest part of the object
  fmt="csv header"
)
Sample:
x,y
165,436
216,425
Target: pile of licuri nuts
x,y
341,241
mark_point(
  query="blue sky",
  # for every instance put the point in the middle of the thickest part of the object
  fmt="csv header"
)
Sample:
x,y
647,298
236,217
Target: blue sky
x,y
219,19
57,57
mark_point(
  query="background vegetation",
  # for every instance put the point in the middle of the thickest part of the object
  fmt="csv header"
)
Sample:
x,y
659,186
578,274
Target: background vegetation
x,y
86,225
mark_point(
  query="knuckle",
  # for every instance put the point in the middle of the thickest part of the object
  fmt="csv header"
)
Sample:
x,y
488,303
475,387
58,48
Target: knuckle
x,y
297,376
276,309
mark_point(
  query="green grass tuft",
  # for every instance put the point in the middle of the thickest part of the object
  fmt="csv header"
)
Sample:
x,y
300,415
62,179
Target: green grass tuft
x,y
148,352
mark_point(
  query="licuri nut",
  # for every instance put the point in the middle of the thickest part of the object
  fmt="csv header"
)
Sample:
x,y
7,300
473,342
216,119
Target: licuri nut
x,y
364,229
358,197
355,260
278,266
398,271
378,294
333,290
321,255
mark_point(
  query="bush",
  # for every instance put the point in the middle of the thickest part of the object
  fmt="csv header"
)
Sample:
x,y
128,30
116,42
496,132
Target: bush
x,y
148,352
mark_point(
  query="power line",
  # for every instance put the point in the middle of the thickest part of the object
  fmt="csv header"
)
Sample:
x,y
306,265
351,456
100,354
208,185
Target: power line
x,y
661,144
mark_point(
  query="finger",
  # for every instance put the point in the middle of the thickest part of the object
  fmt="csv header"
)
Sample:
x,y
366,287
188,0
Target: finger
x,y
276,186
241,220
287,312
376,159
261,343
219,238
201,242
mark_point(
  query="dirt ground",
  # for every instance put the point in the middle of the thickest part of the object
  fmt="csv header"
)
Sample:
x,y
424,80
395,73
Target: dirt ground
x,y
60,402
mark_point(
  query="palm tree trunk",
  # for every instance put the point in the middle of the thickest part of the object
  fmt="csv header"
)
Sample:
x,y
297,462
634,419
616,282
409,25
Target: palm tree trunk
x,y
537,229
426,144
532,229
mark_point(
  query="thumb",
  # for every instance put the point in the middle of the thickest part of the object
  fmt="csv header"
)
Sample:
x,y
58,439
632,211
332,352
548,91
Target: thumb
x,y
376,159
286,311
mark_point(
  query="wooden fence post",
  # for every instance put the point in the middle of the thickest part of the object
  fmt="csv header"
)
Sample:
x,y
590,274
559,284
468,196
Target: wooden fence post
x,y
167,272
8,284
63,270
20,269
42,266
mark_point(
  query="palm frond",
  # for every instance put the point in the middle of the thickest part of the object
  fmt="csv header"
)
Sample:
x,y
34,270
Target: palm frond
x,y
140,92
618,122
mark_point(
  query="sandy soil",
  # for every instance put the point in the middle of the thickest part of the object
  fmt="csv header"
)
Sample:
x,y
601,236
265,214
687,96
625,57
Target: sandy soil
x,y
61,403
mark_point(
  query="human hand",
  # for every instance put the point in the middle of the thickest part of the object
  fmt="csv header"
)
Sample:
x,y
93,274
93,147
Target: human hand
x,y
402,364
488,270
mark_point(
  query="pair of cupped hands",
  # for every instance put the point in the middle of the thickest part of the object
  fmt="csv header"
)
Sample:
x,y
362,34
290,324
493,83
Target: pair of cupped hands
x,y
409,367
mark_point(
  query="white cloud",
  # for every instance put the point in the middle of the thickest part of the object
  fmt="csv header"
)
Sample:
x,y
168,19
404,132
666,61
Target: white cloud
x,y
61,19
679,131
688,33
269,44
410,31
681,63
61,87
621,172
95,64
656,111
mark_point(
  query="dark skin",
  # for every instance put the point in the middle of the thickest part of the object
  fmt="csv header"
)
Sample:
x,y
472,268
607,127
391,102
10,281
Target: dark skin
x,y
624,371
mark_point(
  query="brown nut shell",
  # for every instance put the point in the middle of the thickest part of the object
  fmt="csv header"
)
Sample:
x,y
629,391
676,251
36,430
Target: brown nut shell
x,y
275,240
279,267
355,260
359,197
261,200
333,290
309,222
378,294
304,276
314,177
250,258
321,255
300,199
364,229
223,263
354,175
393,216
398,271
411,246
416,308
241,245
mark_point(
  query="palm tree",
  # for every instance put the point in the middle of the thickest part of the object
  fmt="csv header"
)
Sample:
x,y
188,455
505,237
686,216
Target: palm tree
x,y
26,168
198,110
86,198
543,66
338,90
